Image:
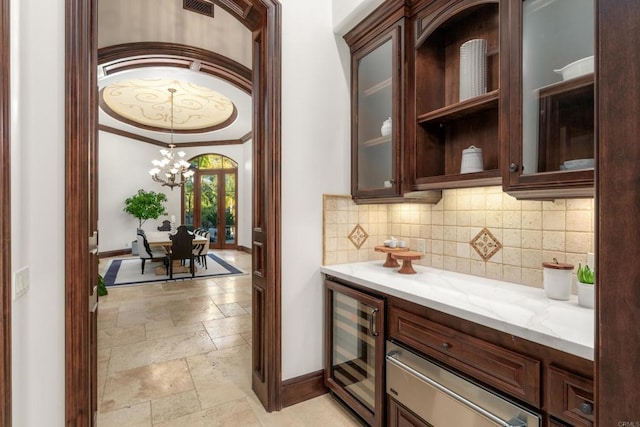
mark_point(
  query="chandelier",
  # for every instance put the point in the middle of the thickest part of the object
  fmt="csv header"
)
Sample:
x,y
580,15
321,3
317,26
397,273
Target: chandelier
x,y
172,170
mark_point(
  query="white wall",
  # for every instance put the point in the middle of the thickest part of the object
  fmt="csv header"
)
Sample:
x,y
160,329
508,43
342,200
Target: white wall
x,y
37,205
315,160
124,169
347,13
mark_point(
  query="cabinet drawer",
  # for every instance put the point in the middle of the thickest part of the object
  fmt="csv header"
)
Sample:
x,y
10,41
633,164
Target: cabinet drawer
x,y
506,370
570,397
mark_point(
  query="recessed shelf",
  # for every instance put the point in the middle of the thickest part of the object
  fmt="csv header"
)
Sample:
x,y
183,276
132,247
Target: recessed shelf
x,y
376,141
486,101
377,87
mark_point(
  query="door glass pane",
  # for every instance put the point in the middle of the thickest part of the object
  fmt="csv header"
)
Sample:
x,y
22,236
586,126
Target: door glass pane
x,y
557,89
230,208
187,218
353,359
375,96
209,205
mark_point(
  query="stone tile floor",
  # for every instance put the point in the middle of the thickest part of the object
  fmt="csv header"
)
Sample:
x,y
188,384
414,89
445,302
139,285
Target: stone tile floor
x,y
179,354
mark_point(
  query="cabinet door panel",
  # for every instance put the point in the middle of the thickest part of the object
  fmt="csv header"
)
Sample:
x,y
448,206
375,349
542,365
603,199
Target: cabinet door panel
x,y
551,116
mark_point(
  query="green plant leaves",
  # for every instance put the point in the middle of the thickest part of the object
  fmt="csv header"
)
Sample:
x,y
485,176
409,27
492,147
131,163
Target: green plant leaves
x,y
585,275
145,205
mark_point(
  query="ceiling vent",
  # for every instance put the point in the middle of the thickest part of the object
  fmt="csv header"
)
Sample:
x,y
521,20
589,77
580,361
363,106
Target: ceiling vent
x,y
203,7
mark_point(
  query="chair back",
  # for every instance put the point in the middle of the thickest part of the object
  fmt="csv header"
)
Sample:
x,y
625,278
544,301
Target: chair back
x,y
182,245
144,250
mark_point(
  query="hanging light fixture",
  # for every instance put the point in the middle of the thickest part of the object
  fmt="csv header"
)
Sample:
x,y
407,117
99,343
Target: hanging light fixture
x,y
172,170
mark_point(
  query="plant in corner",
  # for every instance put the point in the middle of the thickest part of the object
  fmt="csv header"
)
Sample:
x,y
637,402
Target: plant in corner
x,y
586,285
145,205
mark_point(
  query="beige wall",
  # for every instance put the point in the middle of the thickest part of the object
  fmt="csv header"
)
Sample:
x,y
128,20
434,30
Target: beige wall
x,y
530,232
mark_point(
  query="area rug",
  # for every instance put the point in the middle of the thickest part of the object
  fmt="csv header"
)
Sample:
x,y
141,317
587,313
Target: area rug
x,y
128,271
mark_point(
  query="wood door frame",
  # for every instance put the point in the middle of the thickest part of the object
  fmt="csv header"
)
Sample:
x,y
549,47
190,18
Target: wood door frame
x,y
263,18
197,194
5,221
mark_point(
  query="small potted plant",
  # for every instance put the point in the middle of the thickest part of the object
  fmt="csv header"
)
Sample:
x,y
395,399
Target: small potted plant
x,y
144,205
586,286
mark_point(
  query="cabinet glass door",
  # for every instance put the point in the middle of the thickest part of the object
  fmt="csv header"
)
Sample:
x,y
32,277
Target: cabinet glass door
x,y
375,118
354,368
354,358
557,85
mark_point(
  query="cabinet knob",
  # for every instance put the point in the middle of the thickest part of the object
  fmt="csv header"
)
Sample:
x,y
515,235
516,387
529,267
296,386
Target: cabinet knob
x,y
446,346
513,167
586,408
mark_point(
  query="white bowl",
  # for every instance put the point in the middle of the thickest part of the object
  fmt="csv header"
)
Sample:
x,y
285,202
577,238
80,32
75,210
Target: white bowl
x,y
577,68
579,164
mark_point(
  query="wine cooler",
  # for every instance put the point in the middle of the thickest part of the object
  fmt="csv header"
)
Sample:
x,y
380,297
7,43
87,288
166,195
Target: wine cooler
x,y
355,362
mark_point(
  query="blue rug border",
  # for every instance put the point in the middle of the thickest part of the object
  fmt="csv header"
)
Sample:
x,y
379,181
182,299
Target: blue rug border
x,y
112,272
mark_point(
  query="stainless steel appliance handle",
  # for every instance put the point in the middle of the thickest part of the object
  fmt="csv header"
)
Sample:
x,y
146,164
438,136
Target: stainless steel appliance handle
x,y
511,423
372,323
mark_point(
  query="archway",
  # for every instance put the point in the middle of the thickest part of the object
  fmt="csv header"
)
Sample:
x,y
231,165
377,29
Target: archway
x,y
262,17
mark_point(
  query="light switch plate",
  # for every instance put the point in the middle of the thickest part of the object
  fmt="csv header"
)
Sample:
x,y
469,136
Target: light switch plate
x,y
20,282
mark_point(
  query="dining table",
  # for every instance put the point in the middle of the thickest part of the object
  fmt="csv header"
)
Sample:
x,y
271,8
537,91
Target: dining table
x,y
162,238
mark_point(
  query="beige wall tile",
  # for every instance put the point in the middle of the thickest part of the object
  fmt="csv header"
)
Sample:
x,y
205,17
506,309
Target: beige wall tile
x,y
494,270
512,219
531,205
450,248
494,202
532,277
437,261
531,239
463,250
478,268
437,232
463,265
579,221
553,241
510,203
494,219
450,233
578,242
512,256
450,263
463,201
463,218
532,258
478,201
477,218
437,217
462,235
512,274
512,237
579,204
532,220
437,247
553,220
554,205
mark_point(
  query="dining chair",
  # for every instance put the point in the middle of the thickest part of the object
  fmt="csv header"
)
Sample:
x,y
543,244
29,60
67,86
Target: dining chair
x,y
146,252
181,249
200,251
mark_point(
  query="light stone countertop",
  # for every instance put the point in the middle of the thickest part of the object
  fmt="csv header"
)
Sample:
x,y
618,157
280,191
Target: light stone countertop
x,y
519,310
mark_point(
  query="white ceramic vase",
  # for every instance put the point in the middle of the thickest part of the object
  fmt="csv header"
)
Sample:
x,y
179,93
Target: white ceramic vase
x,y
473,68
586,294
386,127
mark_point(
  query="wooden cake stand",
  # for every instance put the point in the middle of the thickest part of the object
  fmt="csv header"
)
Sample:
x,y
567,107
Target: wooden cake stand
x,y
406,257
390,262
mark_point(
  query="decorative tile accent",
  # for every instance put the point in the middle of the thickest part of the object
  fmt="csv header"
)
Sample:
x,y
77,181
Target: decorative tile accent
x,y
358,236
485,244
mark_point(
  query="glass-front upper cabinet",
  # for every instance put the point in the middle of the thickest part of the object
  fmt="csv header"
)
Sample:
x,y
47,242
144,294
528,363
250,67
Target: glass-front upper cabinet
x,y
376,132
551,80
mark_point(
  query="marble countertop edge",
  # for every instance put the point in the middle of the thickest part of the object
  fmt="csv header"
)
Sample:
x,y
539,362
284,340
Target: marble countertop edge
x,y
519,310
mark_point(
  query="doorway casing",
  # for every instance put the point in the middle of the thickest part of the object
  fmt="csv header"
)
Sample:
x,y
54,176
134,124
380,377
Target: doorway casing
x,y
263,18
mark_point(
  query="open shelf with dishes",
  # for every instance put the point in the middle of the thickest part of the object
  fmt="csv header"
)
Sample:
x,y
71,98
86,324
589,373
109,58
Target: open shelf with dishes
x,y
449,117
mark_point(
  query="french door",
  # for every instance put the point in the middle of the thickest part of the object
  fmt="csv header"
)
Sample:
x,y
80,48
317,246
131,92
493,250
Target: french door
x,y
210,202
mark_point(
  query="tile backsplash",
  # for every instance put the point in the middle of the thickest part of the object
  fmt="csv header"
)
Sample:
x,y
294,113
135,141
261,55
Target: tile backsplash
x,y
478,231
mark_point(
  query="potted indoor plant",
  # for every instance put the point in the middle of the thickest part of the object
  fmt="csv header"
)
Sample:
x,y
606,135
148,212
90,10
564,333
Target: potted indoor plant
x,y
586,286
144,205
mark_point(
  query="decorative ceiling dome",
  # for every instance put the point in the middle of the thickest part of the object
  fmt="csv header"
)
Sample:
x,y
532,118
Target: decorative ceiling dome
x,y
146,103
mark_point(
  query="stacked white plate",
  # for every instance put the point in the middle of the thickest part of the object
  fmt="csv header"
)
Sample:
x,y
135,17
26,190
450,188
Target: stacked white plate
x,y
473,68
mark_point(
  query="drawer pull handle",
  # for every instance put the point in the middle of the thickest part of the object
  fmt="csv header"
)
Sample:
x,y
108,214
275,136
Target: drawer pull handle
x,y
446,346
586,408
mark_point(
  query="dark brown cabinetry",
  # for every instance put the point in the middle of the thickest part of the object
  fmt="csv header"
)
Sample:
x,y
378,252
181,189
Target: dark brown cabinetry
x,y
354,369
548,128
377,104
570,397
447,121
399,416
531,111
